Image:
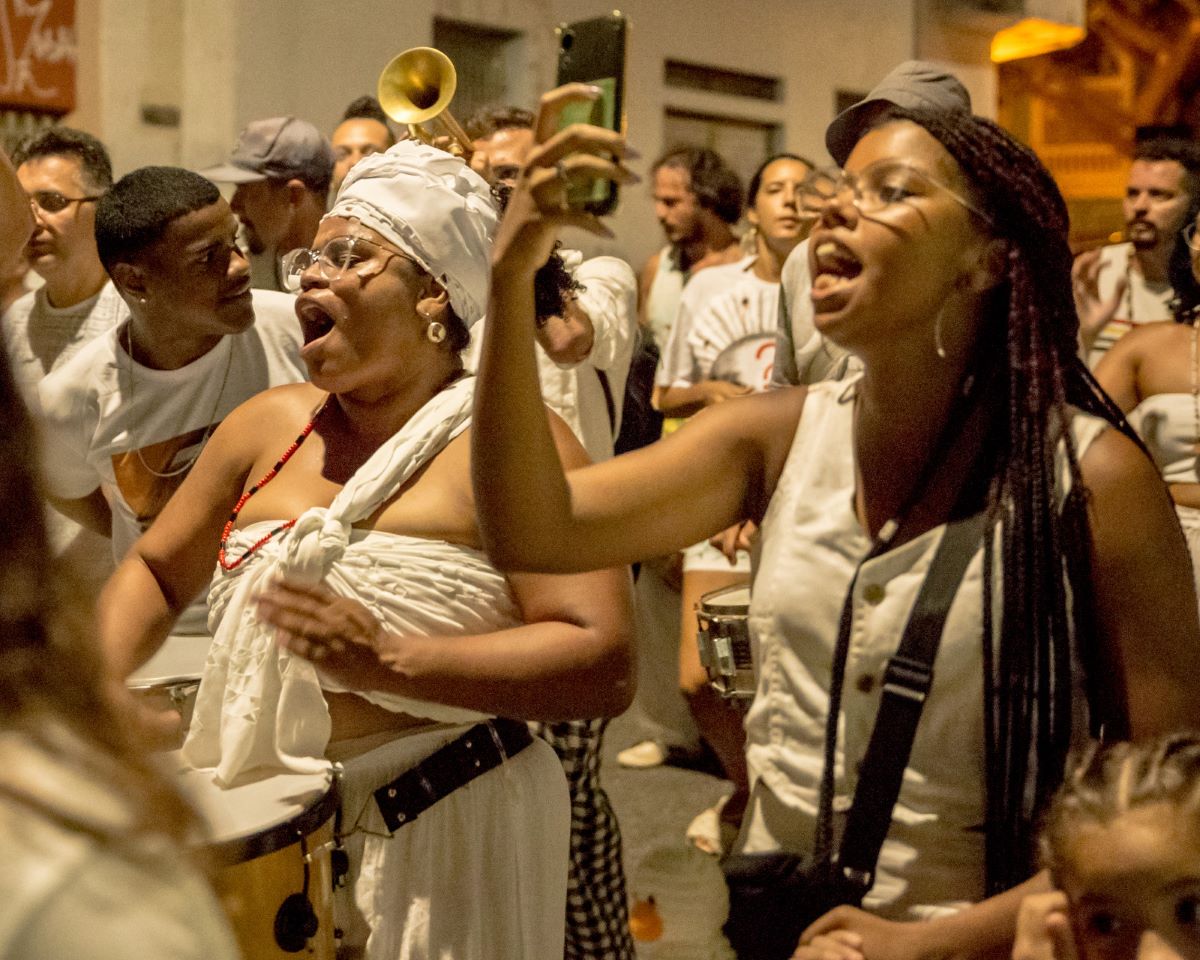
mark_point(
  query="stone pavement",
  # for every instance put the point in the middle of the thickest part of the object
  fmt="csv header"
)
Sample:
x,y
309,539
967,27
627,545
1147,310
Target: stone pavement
x,y
654,807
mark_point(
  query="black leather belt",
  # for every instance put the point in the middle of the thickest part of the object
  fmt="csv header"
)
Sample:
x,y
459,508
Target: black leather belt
x,y
480,749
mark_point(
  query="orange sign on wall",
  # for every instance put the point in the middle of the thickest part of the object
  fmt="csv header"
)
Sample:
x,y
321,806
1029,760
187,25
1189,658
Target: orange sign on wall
x,y
37,55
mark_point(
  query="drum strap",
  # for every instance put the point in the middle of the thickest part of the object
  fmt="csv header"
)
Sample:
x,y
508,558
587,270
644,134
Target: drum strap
x,y
482,748
906,684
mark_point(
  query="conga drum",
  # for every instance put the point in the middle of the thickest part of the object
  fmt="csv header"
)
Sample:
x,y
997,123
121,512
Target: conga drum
x,y
271,842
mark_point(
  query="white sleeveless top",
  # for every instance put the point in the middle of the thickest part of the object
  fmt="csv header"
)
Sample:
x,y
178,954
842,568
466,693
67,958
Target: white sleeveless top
x,y
260,707
1168,425
812,543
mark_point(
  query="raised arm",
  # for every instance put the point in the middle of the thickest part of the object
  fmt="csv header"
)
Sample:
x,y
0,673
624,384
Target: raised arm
x,y
532,517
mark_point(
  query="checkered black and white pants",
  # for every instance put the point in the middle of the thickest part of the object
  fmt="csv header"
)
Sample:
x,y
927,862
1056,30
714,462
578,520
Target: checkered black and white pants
x,y
597,908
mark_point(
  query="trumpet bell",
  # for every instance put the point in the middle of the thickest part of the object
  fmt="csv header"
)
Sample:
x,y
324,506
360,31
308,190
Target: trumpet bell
x,y
417,85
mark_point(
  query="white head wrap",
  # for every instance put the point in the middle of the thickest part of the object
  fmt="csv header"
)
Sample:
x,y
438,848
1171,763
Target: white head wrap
x,y
433,207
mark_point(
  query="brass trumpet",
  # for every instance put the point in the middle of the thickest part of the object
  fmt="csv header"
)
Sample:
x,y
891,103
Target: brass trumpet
x,y
416,88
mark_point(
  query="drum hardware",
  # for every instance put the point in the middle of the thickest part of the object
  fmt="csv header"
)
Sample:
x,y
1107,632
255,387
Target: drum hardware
x,y
724,642
295,921
416,88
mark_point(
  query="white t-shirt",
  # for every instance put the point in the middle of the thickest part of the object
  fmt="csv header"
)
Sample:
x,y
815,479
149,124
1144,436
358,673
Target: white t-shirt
x,y
113,424
66,894
722,311
574,391
1142,303
39,338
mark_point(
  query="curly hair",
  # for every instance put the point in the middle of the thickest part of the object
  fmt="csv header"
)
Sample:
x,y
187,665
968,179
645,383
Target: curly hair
x,y
710,178
1029,356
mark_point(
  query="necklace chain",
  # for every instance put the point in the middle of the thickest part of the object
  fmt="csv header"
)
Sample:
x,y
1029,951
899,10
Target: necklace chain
x,y
225,562
211,419
1129,289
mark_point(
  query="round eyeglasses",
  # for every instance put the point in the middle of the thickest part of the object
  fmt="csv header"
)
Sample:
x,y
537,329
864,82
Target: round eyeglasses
x,y
1190,238
51,201
879,188
357,254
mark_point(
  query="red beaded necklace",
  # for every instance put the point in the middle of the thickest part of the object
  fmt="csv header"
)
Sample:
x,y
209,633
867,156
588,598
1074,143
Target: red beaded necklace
x,y
228,565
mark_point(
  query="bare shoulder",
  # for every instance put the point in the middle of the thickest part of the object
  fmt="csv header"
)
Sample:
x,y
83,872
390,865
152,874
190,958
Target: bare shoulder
x,y
1115,468
267,418
1148,338
286,401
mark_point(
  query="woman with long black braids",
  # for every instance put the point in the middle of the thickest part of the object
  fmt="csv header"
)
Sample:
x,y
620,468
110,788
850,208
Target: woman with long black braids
x,y
940,258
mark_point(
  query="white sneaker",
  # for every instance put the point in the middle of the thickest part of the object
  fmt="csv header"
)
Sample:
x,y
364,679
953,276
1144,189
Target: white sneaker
x,y
641,756
709,833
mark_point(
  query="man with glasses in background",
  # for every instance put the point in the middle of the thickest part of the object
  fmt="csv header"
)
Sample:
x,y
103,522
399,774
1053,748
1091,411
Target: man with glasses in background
x,y
63,172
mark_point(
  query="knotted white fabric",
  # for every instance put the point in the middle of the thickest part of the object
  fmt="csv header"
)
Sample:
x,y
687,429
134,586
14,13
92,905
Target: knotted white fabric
x,y
433,207
259,706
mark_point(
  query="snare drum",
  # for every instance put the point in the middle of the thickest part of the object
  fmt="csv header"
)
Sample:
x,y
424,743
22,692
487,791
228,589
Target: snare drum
x,y
271,841
724,640
171,677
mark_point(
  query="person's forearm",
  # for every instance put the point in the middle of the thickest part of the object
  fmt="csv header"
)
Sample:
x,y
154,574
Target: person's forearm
x,y
983,931
134,617
91,512
539,671
521,492
679,401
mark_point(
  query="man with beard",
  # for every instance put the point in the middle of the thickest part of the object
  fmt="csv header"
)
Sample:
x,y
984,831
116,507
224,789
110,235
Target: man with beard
x,y
697,200
282,167
1131,279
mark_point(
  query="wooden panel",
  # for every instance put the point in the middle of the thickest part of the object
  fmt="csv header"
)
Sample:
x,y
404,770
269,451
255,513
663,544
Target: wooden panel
x,y
37,55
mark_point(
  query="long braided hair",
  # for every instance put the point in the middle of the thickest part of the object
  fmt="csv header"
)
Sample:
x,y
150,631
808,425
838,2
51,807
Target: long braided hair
x,y
1028,354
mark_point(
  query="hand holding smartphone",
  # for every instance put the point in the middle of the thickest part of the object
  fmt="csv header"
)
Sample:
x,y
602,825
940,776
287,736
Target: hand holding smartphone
x,y
593,52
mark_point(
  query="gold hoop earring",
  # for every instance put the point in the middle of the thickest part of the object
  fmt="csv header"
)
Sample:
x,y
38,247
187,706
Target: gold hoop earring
x,y
436,332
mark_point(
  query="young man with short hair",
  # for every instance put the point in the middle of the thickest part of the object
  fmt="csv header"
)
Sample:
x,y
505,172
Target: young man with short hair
x,y
127,417
1161,196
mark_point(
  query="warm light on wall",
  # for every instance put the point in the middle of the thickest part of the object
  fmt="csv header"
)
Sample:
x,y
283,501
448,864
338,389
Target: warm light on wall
x,y
1041,26
1032,37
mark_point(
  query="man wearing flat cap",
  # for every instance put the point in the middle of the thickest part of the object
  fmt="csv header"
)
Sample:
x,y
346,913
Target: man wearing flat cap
x,y
282,167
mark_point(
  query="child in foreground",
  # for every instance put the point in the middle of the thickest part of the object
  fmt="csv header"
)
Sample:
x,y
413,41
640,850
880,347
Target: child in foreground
x,y
1122,841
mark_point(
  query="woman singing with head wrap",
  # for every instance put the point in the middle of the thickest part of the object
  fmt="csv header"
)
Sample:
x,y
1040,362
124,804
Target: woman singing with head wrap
x,y
354,615
940,258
